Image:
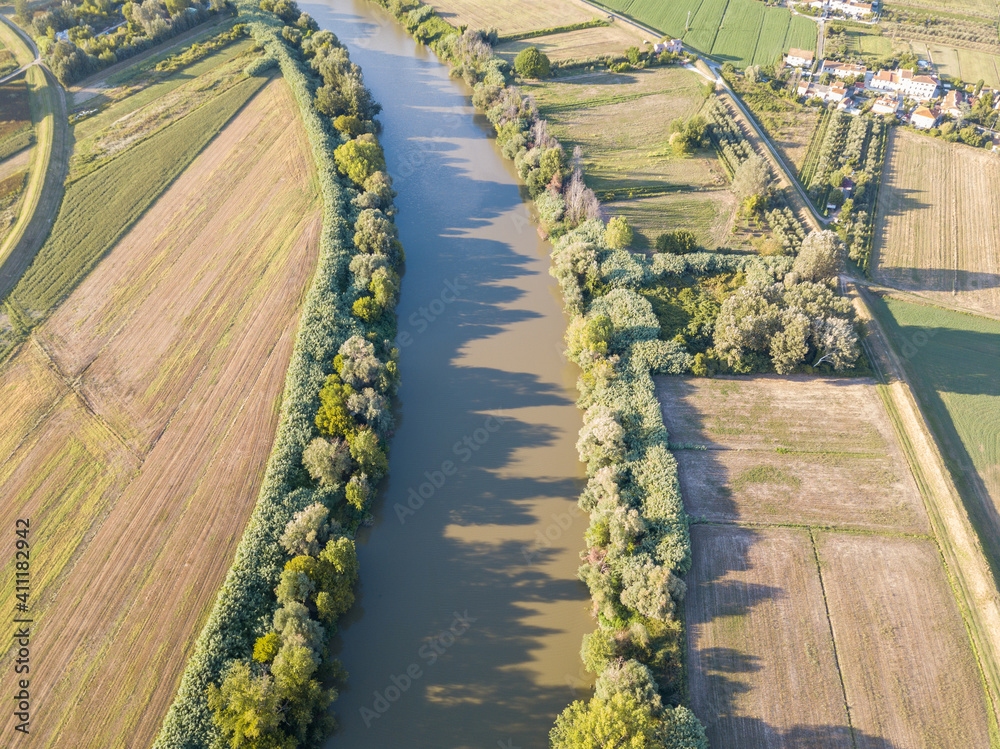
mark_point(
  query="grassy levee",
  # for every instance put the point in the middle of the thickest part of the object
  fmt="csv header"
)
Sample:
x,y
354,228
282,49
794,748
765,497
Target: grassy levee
x,y
962,548
14,42
98,209
49,164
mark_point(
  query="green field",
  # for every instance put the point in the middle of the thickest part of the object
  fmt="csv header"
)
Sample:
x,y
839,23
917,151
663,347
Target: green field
x,y
870,46
738,31
953,360
979,8
100,207
968,65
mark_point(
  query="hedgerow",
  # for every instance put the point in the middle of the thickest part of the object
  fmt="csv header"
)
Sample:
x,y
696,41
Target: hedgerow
x,y
250,617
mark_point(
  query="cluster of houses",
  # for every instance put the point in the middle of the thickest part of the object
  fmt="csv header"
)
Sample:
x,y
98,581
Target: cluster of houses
x,y
847,8
675,46
891,87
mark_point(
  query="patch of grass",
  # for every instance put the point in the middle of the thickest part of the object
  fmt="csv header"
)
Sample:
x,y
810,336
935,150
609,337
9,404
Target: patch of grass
x,y
765,474
687,307
953,360
98,209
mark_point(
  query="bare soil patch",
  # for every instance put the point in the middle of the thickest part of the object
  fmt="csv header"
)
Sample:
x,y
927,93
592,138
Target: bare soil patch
x,y
760,656
909,671
580,44
936,231
175,349
802,450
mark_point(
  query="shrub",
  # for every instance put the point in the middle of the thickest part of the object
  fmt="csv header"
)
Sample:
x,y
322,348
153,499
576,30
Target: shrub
x,y
679,242
531,63
618,234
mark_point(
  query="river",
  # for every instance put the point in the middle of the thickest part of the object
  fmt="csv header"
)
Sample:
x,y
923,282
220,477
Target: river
x,y
469,618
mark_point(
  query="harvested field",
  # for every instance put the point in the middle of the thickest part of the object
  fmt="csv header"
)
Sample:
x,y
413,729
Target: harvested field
x,y
761,659
167,365
580,44
803,450
513,16
632,168
909,673
927,241
16,129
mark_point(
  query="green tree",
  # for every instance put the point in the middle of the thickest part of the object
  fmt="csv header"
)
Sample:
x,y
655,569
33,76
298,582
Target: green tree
x,y
21,12
333,418
349,125
368,454
752,177
327,460
266,647
618,234
359,159
821,256
531,63
246,709
620,722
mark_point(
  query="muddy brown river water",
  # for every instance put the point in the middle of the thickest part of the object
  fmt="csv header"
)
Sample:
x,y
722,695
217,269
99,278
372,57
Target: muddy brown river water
x,y
469,618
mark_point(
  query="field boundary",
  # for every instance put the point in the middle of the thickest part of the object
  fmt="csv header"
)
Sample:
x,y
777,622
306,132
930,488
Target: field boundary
x,y
965,563
833,638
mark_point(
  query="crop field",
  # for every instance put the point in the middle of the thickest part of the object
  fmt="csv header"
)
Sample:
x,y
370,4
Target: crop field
x,y
577,45
953,360
513,16
927,241
739,31
140,418
790,124
98,208
969,65
870,46
910,676
766,461
633,168
761,661
803,495
16,130
983,8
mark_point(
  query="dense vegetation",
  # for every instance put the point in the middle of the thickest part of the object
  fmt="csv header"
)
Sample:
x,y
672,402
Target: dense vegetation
x,y
81,37
261,673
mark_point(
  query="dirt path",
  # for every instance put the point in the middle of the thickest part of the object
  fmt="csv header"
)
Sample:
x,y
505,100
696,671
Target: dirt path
x,y
961,548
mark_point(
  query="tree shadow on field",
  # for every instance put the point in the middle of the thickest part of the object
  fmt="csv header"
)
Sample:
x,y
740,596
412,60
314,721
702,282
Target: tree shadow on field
x,y
937,279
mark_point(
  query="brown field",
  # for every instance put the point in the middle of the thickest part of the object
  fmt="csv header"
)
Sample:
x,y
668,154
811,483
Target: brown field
x,y
578,45
761,661
937,232
803,450
622,124
513,16
144,412
910,676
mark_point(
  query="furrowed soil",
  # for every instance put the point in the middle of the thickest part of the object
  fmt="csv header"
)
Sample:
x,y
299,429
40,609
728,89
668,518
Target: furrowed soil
x,y
909,673
142,414
761,661
928,241
795,449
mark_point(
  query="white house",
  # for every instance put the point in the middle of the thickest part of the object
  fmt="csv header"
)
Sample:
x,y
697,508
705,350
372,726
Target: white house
x,y
799,58
923,118
952,103
676,46
826,93
842,69
920,87
886,105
